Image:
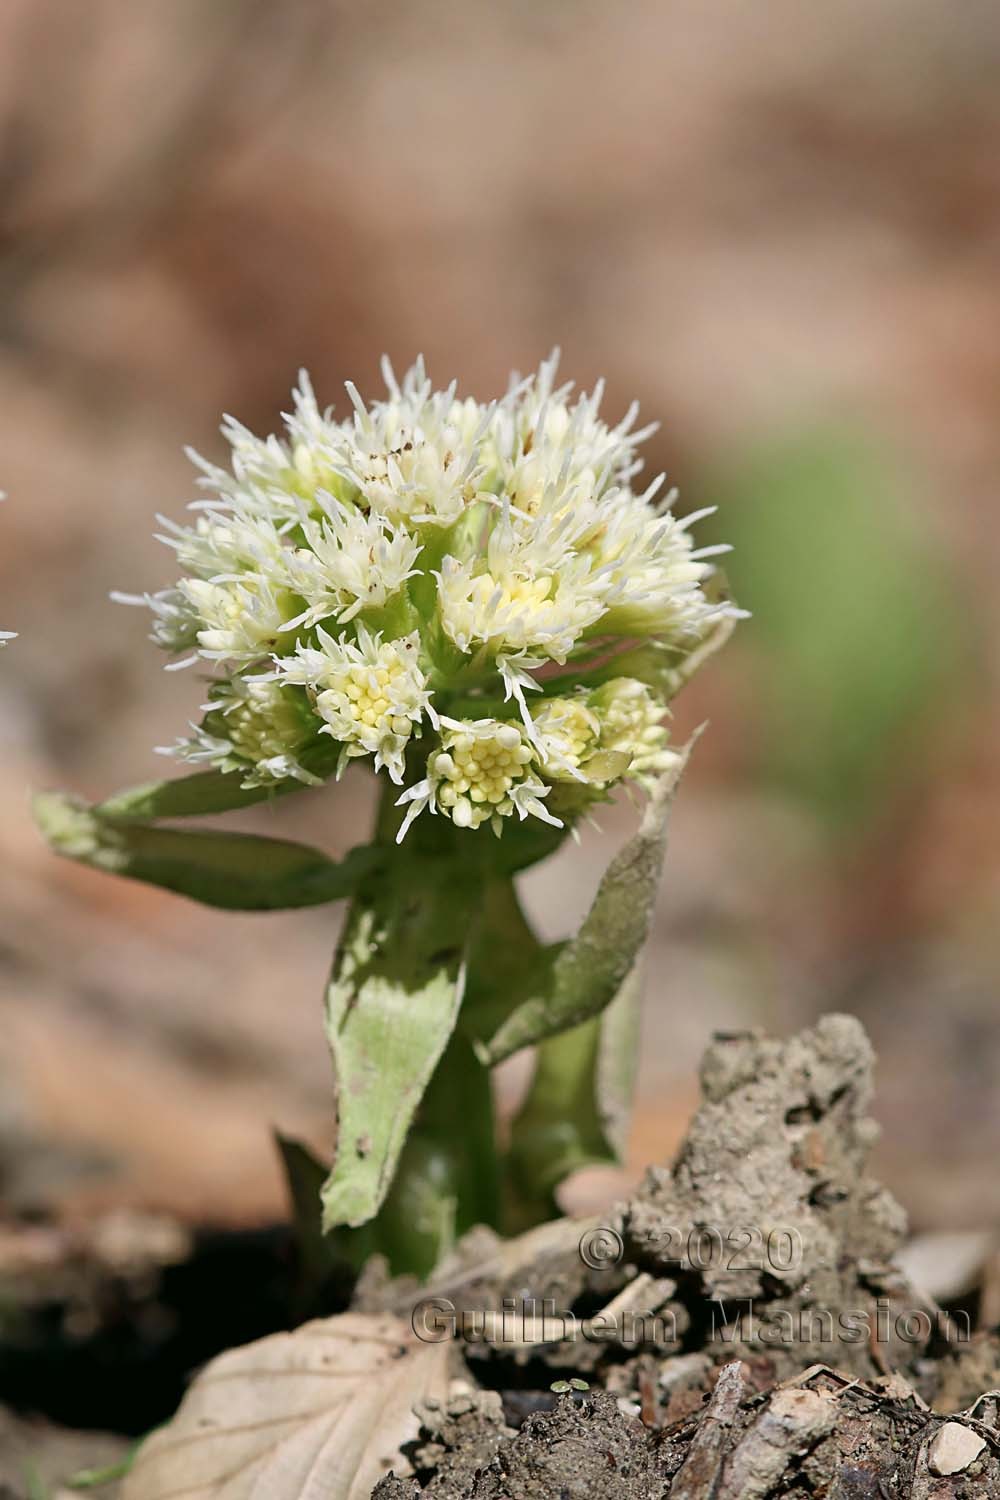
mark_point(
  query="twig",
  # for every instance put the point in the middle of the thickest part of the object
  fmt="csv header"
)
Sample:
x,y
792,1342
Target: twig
x,y
792,1422
697,1477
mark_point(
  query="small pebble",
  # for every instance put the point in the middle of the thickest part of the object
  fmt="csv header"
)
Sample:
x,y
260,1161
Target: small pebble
x,y
953,1448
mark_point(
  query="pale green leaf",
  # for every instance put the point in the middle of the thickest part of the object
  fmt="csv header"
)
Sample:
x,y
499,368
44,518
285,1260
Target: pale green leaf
x,y
236,871
586,974
209,792
189,797
392,1005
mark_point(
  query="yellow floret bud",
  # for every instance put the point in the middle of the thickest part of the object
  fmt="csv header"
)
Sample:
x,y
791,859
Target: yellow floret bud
x,y
569,733
631,720
477,768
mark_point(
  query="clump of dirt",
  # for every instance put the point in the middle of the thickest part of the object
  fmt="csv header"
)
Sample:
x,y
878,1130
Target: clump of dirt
x,y
459,1438
581,1450
967,1371
826,1435
780,1243
766,1241
823,1435
756,1338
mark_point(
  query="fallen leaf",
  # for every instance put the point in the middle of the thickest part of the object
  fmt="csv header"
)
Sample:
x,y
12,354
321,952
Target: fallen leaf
x,y
318,1414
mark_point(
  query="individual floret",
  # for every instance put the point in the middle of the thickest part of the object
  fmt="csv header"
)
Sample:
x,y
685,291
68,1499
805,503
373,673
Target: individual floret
x,y
369,693
255,727
631,723
482,773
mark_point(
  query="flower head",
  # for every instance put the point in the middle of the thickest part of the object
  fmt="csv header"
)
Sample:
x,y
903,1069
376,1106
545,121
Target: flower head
x,y
442,586
631,723
350,561
483,772
569,733
369,693
254,726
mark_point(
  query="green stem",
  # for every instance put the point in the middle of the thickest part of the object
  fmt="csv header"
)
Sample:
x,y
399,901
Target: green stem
x,y
444,899
446,1178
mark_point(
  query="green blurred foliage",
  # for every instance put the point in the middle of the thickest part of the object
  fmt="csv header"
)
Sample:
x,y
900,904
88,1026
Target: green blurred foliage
x,y
861,640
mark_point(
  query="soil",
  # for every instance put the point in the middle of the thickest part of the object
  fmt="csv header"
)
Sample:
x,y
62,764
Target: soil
x,y
736,1330
784,1353
103,1329
822,1436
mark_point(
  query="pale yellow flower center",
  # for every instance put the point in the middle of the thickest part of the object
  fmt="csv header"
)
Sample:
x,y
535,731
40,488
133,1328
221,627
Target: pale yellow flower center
x,y
366,695
263,726
628,715
515,593
479,770
569,734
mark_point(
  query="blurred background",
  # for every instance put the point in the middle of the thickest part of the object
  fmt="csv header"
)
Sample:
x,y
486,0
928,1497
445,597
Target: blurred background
x,y
778,226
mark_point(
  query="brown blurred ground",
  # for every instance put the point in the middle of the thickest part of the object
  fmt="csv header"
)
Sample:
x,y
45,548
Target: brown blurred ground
x,y
756,219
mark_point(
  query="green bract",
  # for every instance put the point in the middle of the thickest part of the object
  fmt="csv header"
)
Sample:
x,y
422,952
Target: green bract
x,y
477,602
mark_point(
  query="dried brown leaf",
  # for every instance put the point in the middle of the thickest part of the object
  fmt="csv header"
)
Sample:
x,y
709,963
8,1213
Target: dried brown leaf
x,y
318,1414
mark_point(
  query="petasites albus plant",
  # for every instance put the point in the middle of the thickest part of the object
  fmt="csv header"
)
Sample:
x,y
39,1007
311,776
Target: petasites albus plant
x,y
480,604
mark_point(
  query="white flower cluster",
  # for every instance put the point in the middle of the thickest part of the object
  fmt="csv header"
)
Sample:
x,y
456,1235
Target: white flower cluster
x,y
401,581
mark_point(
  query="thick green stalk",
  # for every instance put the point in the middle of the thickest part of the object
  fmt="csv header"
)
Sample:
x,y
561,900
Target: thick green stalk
x,y
402,968
447,1179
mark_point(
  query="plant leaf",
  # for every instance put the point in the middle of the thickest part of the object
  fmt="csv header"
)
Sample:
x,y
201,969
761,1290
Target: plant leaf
x,y
446,1180
189,797
318,1414
317,1255
236,871
392,1004
583,976
209,792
